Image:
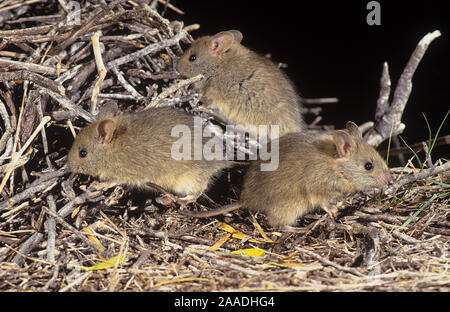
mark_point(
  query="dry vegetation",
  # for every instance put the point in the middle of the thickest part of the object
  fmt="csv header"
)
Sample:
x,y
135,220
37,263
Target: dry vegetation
x,y
60,232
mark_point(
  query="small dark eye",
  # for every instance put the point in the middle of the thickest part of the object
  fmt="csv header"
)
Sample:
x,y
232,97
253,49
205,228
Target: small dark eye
x,y
368,166
83,153
192,57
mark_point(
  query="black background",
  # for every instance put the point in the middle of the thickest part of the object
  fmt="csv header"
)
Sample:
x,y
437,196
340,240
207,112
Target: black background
x,y
332,52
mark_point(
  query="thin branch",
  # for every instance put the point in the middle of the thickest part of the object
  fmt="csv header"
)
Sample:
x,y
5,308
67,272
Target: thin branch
x,y
390,117
101,72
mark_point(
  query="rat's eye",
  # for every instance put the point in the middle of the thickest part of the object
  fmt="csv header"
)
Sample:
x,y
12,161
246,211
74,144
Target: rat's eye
x,y
192,57
368,166
83,153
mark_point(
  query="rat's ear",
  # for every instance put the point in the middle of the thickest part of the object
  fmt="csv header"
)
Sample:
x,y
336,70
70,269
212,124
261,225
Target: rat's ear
x,y
354,130
344,143
237,35
221,42
105,130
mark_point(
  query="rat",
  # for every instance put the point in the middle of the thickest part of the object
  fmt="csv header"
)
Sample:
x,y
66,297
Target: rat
x,y
136,149
313,171
245,88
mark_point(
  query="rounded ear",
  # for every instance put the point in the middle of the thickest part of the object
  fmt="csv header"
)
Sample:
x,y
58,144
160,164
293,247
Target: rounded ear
x,y
108,110
221,42
237,35
345,145
354,130
105,130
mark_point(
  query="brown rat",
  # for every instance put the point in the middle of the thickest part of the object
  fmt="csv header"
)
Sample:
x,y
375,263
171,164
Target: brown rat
x,y
243,86
313,170
136,149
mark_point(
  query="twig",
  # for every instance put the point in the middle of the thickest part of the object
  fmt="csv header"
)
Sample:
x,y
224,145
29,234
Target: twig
x,y
44,182
418,176
67,104
81,199
26,248
41,69
147,50
328,262
101,72
390,116
7,136
318,101
15,157
50,225
126,85
61,221
33,77
172,89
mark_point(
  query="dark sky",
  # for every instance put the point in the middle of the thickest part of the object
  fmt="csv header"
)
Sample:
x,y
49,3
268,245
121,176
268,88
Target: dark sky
x,y
332,52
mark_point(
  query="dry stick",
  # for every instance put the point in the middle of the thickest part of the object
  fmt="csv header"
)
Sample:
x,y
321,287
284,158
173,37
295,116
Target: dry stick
x,y
172,89
77,281
8,129
81,199
68,74
35,187
147,50
67,104
44,18
385,91
25,31
328,262
126,85
15,157
19,5
50,225
101,72
43,133
41,69
26,248
74,230
428,160
418,176
317,101
33,77
393,114
87,69
87,26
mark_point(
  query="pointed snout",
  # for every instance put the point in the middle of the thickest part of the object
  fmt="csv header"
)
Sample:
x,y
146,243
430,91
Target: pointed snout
x,y
384,178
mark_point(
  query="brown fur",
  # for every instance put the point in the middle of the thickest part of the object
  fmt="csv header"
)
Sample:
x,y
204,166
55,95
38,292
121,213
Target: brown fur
x,y
312,171
246,88
134,149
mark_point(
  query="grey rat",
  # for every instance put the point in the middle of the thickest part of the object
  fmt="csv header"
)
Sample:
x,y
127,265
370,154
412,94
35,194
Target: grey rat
x,y
244,87
136,149
313,170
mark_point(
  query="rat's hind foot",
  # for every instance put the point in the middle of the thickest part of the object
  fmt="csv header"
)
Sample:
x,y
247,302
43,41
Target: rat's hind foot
x,y
331,210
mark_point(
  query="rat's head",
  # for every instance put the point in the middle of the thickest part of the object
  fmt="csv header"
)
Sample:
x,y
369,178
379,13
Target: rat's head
x,y
358,161
206,53
92,148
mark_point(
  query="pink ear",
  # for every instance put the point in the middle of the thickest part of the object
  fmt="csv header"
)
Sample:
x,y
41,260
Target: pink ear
x,y
344,143
220,43
105,130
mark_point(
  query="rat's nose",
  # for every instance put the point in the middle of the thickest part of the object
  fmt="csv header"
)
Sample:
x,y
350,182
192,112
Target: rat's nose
x,y
384,179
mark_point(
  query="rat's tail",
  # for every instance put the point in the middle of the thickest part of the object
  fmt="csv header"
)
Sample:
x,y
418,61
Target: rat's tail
x,y
211,213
